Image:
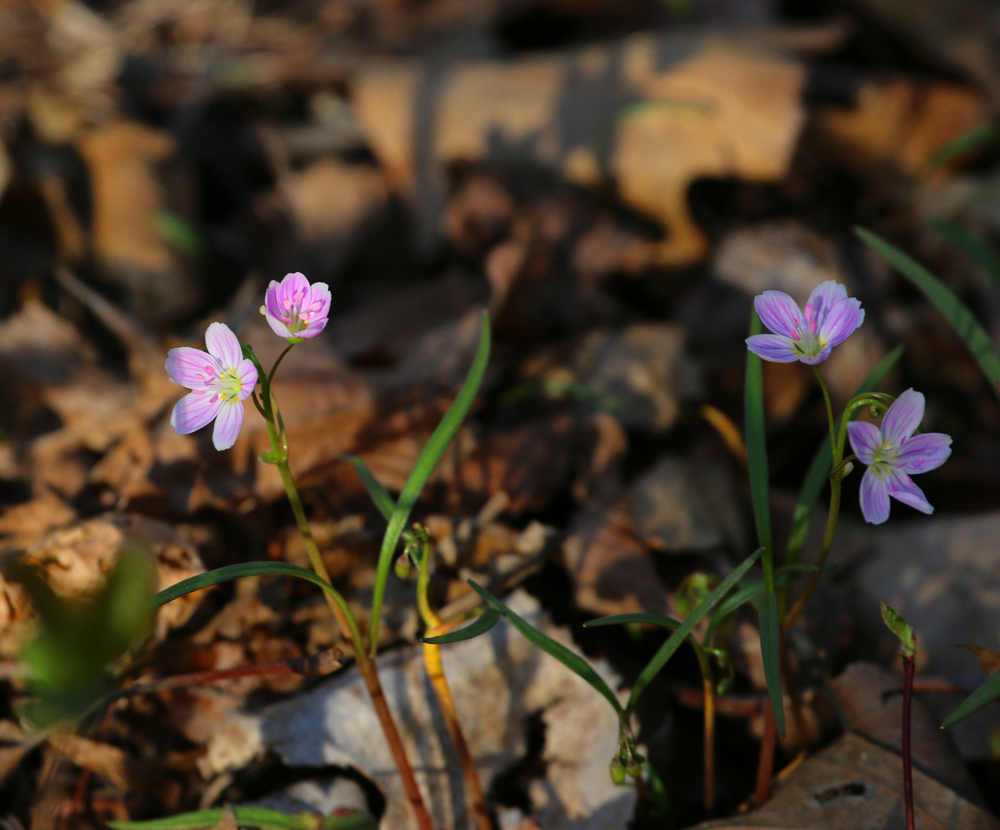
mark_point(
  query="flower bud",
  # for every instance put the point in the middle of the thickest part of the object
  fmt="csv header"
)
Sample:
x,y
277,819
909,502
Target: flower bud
x,y
634,766
617,770
404,568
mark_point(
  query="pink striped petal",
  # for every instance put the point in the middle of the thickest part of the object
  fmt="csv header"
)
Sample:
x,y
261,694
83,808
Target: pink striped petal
x,y
902,488
825,297
874,497
222,343
227,425
841,321
903,417
191,368
194,411
865,440
779,313
773,347
923,453
276,325
247,373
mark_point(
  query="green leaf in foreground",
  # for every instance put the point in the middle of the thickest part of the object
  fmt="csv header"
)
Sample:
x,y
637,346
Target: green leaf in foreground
x,y
756,438
379,495
770,649
574,662
666,651
819,470
231,572
253,817
988,692
428,460
640,618
955,311
483,623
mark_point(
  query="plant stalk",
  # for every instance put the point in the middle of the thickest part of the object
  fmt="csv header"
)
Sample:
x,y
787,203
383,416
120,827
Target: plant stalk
x,y
348,625
908,670
435,671
708,687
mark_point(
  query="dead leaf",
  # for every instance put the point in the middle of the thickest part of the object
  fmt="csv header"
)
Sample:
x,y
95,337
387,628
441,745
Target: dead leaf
x,y
108,761
651,113
988,658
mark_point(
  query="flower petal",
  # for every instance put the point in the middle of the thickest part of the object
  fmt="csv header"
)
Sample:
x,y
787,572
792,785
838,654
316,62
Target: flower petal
x,y
227,425
277,326
865,438
247,373
874,497
923,453
903,417
773,347
319,306
194,411
192,368
824,297
841,321
222,343
312,329
902,488
272,299
292,290
779,313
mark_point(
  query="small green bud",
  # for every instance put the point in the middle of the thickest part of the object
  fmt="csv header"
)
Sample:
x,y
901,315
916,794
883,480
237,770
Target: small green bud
x,y
873,410
404,567
843,471
901,628
617,770
634,766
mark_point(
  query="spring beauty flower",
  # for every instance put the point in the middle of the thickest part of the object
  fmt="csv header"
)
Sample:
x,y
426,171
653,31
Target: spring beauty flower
x,y
808,335
893,453
219,380
294,309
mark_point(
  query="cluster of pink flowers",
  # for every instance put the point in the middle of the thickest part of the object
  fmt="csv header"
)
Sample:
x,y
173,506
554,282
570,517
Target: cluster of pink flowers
x,y
221,379
893,452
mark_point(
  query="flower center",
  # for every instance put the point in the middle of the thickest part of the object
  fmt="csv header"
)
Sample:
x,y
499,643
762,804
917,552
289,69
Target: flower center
x,y
300,310
884,458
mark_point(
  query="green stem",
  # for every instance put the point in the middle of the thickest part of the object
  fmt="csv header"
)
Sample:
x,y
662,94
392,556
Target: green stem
x,y
277,363
829,409
824,553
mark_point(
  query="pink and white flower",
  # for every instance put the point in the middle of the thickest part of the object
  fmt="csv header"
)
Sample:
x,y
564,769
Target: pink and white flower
x,y
808,335
294,308
219,380
893,453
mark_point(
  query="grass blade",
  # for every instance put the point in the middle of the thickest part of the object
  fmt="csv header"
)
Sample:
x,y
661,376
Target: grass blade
x,y
379,495
625,619
983,696
977,138
972,245
429,457
666,651
231,572
483,623
756,438
955,311
819,469
770,649
569,659
251,817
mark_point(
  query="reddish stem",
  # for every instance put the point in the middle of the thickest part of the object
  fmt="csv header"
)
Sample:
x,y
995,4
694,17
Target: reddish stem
x,y
908,668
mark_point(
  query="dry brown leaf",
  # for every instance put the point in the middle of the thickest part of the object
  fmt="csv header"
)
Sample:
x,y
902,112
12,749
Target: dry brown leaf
x,y
105,760
988,658
856,784
653,113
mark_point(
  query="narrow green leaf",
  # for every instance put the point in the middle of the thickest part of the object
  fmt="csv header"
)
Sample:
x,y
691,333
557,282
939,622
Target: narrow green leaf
x,y
625,619
428,460
568,658
231,572
483,623
666,651
962,320
819,470
757,452
252,817
383,501
988,692
980,136
972,245
770,648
